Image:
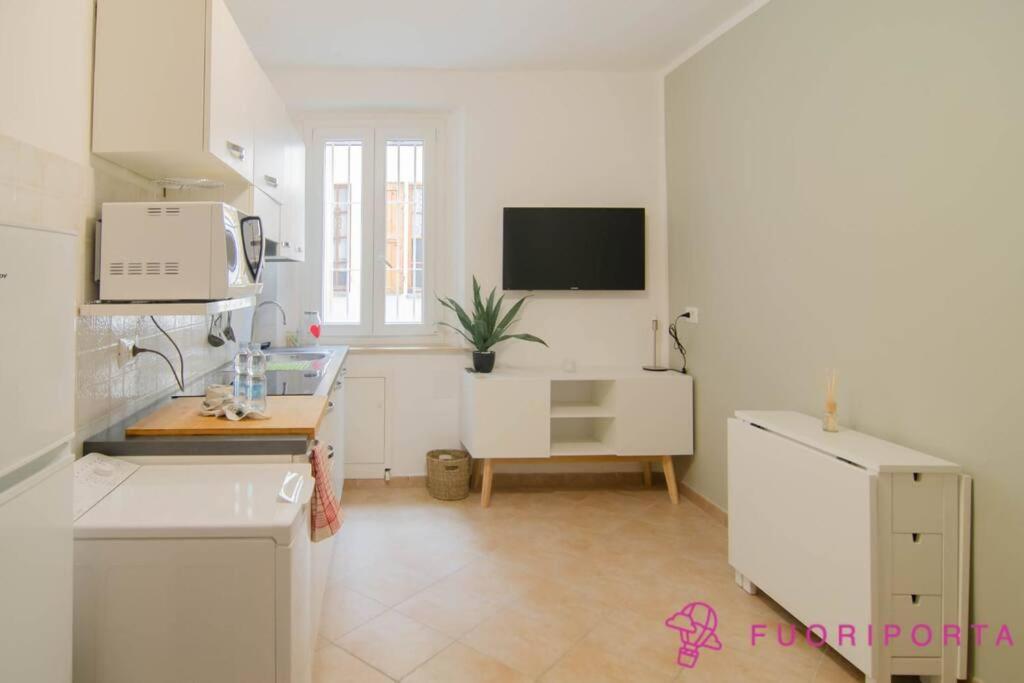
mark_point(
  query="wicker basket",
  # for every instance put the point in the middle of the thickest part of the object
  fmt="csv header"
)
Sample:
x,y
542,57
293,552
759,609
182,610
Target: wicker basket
x,y
448,474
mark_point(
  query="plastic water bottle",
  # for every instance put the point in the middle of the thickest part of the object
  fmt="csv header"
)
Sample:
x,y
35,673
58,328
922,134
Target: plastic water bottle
x,y
257,379
243,379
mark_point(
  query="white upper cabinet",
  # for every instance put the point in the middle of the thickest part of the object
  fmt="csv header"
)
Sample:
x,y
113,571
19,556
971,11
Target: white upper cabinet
x,y
172,92
232,75
272,128
293,217
290,244
179,94
149,94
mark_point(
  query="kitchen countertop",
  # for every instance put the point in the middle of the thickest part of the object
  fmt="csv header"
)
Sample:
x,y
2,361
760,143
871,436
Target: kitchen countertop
x,y
113,440
286,415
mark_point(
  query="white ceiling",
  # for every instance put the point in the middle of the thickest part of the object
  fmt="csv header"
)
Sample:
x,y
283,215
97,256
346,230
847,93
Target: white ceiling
x,y
478,34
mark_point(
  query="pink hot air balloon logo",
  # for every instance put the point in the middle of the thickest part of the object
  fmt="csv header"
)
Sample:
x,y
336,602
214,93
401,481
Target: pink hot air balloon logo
x,y
696,624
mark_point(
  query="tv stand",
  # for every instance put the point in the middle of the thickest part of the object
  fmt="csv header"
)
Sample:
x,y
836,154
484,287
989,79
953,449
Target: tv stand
x,y
592,415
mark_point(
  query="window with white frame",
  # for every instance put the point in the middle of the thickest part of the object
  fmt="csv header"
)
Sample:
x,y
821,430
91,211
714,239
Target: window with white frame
x,y
379,198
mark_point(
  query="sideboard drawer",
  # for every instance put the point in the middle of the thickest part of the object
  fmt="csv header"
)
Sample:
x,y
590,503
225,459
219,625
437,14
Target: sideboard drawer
x,y
917,502
917,564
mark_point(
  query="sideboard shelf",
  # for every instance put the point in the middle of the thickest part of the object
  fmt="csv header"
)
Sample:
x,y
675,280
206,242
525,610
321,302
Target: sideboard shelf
x,y
562,411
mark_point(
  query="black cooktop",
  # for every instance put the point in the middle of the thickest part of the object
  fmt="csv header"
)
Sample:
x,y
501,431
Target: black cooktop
x,y
279,382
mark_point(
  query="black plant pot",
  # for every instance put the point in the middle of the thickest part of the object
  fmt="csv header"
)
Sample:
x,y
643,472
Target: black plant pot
x,y
483,361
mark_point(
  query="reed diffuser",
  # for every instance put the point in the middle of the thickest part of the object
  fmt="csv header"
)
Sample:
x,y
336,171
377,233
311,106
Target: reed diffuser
x,y
829,423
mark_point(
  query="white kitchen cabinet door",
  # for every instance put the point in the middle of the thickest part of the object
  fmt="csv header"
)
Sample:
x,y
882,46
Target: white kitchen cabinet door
x,y
232,97
292,245
175,90
149,83
365,417
295,152
272,127
332,434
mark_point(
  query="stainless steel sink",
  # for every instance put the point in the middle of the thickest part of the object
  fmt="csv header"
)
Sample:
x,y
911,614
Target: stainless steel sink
x,y
297,360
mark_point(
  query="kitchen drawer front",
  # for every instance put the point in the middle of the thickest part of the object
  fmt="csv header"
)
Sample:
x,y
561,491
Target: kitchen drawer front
x,y
917,502
917,564
922,612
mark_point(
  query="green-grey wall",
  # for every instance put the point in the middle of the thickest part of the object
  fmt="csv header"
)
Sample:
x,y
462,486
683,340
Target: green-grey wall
x,y
846,189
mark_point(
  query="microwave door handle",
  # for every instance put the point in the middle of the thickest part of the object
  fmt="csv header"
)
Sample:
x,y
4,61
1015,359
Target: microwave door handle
x,y
255,268
263,248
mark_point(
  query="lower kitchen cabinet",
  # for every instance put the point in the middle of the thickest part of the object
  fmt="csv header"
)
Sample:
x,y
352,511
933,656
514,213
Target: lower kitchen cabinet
x,y
365,416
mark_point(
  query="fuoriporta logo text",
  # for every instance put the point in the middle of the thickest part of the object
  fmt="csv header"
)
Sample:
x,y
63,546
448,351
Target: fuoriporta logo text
x,y
918,635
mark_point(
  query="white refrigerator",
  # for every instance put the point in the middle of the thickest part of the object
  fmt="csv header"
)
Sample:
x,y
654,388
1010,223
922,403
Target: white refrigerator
x,y
37,387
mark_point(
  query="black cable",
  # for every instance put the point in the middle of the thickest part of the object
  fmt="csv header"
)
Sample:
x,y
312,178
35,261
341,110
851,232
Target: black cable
x,y
674,333
181,359
138,349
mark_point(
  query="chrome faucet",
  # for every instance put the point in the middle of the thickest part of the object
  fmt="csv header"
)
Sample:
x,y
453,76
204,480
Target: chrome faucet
x,y
252,327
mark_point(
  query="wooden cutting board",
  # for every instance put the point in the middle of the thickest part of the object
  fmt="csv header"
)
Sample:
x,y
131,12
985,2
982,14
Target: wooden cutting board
x,y
289,415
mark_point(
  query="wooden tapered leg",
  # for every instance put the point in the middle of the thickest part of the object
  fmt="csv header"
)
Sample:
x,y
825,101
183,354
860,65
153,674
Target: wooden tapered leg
x,y
647,474
485,488
670,478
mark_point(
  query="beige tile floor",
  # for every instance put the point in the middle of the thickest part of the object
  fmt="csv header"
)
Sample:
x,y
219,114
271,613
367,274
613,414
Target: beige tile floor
x,y
544,585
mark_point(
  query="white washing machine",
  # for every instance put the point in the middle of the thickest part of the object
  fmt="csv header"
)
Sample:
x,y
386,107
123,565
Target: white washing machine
x,y
322,551
191,573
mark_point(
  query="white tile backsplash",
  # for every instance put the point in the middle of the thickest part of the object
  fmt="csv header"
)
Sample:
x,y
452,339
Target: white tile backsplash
x,y
107,392
41,189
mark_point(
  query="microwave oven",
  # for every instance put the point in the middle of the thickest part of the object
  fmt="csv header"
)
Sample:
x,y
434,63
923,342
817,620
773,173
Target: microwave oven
x,y
178,251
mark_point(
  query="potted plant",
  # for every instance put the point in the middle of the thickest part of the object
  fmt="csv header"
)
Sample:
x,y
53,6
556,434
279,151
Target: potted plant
x,y
486,326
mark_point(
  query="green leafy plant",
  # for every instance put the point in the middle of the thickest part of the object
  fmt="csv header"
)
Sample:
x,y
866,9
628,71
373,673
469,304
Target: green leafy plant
x,y
486,326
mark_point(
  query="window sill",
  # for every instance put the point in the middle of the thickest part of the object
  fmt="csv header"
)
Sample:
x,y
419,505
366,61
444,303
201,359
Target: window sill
x,y
406,348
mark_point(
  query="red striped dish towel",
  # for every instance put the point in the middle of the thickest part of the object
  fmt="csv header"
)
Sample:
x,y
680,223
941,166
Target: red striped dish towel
x,y
326,515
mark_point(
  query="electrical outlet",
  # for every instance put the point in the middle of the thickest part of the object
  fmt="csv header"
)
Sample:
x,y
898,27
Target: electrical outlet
x,y
125,352
693,311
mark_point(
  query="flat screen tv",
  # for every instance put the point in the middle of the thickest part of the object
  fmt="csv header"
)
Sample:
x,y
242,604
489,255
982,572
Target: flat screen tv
x,y
583,249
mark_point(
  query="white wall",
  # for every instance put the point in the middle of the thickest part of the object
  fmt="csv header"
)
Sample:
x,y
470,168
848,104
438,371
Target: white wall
x,y
845,191
522,138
